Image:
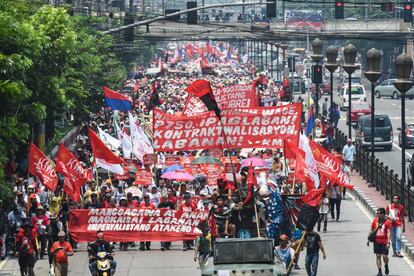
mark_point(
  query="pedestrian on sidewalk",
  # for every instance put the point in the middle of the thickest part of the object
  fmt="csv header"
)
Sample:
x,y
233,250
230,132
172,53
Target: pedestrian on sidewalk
x,y
323,211
61,250
313,244
395,212
335,198
381,228
348,153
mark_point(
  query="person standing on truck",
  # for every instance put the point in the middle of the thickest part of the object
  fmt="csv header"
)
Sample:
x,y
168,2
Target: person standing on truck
x,y
313,244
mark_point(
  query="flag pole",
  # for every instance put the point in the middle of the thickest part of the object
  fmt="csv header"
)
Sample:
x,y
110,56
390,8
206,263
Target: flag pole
x,y
257,217
289,268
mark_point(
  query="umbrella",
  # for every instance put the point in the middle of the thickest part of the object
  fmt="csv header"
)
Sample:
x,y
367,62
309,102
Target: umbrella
x,y
254,161
206,160
181,176
171,168
134,190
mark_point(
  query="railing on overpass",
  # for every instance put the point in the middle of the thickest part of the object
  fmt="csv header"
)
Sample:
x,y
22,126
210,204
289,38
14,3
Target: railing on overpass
x,y
384,179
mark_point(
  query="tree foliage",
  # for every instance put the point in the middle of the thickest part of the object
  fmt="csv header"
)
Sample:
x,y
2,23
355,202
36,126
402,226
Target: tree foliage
x,y
51,65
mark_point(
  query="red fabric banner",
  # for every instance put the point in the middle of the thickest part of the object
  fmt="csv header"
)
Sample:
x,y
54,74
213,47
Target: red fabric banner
x,y
329,165
233,96
264,127
124,225
75,174
40,166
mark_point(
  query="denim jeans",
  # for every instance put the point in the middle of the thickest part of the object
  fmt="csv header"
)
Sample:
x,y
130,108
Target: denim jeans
x,y
396,239
311,264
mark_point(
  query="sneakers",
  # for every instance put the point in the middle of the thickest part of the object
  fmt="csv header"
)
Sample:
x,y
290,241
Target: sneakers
x,y
162,249
399,255
387,270
296,266
395,254
185,248
379,273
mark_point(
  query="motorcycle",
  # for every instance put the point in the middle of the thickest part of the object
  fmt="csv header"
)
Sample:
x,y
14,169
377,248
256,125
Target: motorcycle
x,y
11,237
103,264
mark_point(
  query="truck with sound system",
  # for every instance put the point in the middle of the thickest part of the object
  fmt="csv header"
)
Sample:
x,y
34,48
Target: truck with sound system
x,y
243,257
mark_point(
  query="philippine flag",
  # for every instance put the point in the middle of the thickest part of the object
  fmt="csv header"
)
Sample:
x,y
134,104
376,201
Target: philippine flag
x,y
116,101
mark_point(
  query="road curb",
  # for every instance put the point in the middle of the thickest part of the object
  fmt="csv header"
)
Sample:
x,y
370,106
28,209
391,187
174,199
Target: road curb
x,y
406,245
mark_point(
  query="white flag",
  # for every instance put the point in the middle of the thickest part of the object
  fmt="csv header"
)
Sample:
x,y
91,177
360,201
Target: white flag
x,y
312,169
109,140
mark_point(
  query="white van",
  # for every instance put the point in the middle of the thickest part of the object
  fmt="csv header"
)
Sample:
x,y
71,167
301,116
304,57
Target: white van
x,y
357,94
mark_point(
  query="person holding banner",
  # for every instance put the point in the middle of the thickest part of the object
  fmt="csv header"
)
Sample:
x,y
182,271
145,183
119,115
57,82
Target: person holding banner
x,y
187,206
166,203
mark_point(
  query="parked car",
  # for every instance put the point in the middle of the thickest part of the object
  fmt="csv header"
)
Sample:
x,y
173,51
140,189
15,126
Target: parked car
x,y
383,135
357,94
387,89
409,136
324,87
358,109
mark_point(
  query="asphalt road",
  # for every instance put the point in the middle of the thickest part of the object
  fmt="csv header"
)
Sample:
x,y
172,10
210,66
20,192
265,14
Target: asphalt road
x,y
392,108
345,243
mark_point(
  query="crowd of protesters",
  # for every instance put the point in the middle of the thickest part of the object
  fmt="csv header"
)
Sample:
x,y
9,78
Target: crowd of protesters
x,y
37,223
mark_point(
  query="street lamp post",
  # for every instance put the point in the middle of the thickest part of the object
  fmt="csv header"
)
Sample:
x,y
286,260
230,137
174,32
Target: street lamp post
x,y
317,57
403,66
372,74
350,53
331,65
277,44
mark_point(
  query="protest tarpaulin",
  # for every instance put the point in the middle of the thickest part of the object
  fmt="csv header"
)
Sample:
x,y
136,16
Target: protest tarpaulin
x,y
125,225
264,127
143,177
233,96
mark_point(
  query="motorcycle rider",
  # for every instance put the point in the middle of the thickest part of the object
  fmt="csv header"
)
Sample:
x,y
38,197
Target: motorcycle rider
x,y
15,219
100,245
40,222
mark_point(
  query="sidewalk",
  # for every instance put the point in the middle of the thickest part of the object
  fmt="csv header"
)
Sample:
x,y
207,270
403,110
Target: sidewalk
x,y
373,199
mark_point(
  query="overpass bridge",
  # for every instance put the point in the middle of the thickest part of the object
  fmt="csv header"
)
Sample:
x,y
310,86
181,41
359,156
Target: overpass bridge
x,y
386,29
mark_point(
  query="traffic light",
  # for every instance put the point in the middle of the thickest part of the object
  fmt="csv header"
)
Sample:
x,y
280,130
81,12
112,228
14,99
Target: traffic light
x,y
339,10
317,74
192,15
408,12
271,9
291,64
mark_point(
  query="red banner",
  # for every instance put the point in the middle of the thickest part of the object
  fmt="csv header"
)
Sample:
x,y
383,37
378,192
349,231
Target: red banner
x,y
243,128
124,225
329,165
124,176
233,96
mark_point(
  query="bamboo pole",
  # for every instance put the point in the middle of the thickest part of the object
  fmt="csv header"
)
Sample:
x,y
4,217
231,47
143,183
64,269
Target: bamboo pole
x,y
289,269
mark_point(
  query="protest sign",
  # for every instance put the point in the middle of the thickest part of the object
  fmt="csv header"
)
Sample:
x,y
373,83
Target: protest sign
x,y
143,177
264,127
233,96
127,224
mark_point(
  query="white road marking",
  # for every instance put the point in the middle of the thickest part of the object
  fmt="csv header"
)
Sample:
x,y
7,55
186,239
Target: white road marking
x,y
370,218
398,148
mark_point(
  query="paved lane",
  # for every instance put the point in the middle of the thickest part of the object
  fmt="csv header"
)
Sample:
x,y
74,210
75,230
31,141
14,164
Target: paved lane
x,y
347,254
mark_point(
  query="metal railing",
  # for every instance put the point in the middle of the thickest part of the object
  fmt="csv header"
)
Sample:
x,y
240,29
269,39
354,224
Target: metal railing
x,y
385,180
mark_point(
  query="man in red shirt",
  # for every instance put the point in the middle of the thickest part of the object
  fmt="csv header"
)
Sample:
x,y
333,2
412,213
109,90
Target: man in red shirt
x,y
395,212
41,222
382,239
146,245
61,250
26,240
187,206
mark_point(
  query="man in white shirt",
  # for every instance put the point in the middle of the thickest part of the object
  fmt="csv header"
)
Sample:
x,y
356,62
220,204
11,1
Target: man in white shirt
x,y
349,152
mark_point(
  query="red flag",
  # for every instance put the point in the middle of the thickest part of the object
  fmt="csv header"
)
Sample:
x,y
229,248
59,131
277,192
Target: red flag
x,y
251,183
104,157
293,153
313,197
40,166
75,174
202,89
